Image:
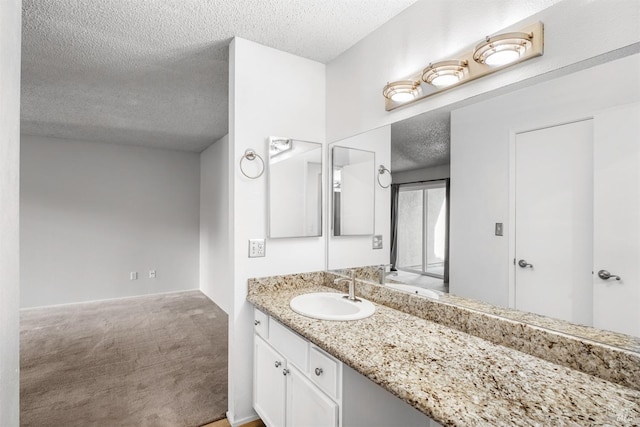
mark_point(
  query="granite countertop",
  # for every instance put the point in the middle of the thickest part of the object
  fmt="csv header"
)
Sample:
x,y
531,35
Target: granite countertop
x,y
453,377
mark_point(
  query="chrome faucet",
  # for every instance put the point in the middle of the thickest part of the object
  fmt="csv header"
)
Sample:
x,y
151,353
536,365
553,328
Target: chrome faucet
x,y
382,273
352,287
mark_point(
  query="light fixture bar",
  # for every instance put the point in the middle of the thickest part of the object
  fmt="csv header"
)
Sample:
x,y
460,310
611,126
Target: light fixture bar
x,y
493,54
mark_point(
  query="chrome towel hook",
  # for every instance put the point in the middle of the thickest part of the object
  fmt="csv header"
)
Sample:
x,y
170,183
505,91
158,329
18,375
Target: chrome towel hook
x,y
251,155
381,171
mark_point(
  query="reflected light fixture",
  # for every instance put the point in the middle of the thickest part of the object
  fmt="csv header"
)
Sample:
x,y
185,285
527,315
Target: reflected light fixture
x,y
502,49
401,91
279,146
444,73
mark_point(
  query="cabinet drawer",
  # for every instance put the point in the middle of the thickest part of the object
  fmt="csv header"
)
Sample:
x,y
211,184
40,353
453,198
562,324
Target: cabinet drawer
x,y
292,346
261,323
324,371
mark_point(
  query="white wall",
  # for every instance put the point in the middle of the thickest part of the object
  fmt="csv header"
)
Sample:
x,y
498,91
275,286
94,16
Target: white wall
x,y
215,274
10,22
480,262
575,30
425,174
93,212
353,251
270,93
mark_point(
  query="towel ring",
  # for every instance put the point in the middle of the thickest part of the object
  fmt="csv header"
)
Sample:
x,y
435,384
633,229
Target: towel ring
x,y
251,155
381,171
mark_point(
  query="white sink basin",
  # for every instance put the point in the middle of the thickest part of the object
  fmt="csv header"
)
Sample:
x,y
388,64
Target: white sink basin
x,y
414,290
331,306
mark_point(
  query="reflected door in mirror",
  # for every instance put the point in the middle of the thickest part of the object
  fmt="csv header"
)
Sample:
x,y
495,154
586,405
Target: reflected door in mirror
x,y
295,188
617,220
353,184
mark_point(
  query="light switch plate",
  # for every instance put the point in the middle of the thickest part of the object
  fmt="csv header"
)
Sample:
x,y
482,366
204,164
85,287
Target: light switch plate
x,y
499,229
152,274
256,248
377,242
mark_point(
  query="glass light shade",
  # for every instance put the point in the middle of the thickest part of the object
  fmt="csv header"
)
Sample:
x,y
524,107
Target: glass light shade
x,y
445,80
402,96
502,49
502,57
401,91
445,73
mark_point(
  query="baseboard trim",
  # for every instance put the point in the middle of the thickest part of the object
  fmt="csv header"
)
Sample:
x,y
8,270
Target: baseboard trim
x,y
243,422
110,299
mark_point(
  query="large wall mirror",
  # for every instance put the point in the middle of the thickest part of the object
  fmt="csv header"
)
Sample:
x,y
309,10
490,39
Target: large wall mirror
x,y
475,143
295,188
353,191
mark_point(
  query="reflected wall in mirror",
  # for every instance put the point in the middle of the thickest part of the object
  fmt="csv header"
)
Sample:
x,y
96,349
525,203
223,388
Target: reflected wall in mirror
x,y
353,191
295,188
482,136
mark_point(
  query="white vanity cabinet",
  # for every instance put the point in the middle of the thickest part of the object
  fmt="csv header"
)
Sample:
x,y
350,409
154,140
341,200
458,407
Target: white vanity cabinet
x,y
296,384
269,383
287,390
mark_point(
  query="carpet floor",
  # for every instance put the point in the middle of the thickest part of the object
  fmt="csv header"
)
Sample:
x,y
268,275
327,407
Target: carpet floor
x,y
158,360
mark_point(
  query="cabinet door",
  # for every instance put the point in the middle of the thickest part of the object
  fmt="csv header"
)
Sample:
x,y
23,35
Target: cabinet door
x,y
306,405
268,383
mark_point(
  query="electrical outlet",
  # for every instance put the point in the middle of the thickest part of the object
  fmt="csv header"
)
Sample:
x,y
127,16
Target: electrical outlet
x,y
256,248
152,274
377,242
499,229
133,275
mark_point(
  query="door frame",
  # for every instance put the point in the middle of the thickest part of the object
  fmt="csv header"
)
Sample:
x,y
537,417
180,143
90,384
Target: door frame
x,y
423,186
511,220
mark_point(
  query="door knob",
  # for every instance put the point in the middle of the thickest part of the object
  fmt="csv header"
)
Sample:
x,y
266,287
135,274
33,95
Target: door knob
x,y
524,264
285,372
605,275
277,364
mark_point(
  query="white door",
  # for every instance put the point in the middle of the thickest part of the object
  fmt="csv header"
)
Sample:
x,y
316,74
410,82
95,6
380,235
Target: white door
x,y
306,405
617,219
554,221
268,384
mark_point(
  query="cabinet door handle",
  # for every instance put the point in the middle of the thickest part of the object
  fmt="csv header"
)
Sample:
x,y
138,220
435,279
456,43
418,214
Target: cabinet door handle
x,y
318,371
278,363
256,322
285,371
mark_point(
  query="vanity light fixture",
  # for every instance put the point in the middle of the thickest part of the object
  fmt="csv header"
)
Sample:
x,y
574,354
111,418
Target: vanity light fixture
x,y
502,49
445,73
493,54
401,91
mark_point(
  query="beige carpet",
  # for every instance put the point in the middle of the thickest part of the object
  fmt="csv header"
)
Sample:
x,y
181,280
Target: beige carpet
x,y
158,360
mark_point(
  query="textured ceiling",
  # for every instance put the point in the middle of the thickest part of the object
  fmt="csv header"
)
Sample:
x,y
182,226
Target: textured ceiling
x,y
421,141
155,73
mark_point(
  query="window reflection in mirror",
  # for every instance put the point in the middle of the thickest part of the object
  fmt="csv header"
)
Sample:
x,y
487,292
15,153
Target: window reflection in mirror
x,y
353,191
295,188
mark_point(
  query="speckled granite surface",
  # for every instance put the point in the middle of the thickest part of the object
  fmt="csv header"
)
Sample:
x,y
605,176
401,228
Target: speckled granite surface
x,y
456,378
627,342
587,351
